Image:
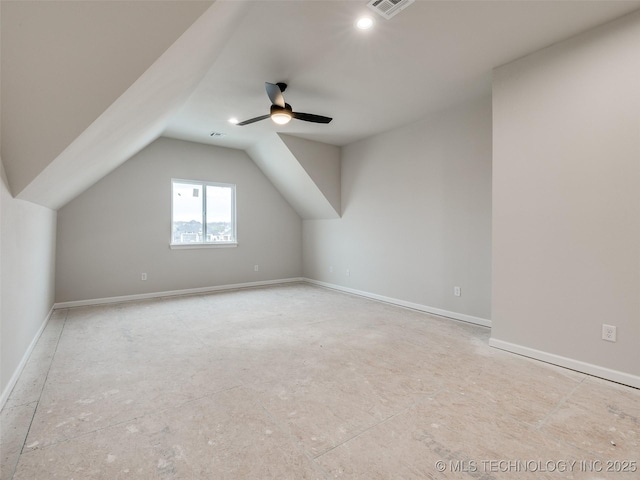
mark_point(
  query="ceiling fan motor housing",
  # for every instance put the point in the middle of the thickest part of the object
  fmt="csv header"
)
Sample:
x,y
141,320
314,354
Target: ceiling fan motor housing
x,y
278,109
281,112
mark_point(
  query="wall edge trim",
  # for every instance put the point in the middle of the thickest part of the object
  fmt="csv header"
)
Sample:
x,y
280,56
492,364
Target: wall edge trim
x,y
403,303
171,293
23,361
566,362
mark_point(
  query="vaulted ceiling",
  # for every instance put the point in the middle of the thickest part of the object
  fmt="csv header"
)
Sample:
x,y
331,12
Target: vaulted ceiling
x,y
430,56
85,85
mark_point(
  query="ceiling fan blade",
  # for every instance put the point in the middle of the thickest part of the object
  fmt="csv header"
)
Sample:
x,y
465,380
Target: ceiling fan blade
x,y
275,94
310,117
252,120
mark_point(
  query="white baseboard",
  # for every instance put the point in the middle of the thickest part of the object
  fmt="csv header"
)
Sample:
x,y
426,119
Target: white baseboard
x,y
402,303
584,367
171,293
191,291
25,358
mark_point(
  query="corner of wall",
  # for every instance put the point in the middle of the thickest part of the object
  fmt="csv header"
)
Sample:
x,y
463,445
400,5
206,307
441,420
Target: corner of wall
x,y
312,191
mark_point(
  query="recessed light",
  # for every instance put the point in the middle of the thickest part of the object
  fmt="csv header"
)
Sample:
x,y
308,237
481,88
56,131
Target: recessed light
x,y
234,121
364,23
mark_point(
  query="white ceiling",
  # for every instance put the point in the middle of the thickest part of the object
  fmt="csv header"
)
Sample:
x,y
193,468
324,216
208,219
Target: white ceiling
x,y
430,56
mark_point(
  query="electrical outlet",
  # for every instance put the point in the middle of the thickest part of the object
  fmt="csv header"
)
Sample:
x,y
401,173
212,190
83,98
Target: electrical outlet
x,y
143,276
330,269
457,292
348,272
608,333
256,268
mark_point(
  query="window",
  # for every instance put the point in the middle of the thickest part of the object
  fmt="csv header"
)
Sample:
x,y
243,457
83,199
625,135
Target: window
x,y
203,213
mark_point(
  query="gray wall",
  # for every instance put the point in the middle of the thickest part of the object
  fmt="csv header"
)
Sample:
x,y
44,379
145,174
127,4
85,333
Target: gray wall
x,y
121,227
27,253
566,201
416,214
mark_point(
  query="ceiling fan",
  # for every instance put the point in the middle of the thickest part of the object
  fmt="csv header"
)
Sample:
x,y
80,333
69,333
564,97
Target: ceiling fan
x,y
281,112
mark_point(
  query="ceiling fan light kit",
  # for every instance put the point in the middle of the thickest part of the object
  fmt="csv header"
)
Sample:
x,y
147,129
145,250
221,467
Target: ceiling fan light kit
x,y
281,112
280,115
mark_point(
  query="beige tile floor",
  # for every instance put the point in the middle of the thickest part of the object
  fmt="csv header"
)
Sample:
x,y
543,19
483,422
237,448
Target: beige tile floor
x,y
299,382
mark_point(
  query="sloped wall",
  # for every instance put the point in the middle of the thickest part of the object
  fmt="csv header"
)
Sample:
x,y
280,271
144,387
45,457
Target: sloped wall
x,y
305,172
65,63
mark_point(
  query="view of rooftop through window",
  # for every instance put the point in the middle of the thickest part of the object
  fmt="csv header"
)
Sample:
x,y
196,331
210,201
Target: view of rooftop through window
x,y
202,212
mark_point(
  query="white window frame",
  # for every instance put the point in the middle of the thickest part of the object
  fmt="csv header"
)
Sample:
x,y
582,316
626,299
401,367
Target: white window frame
x,y
205,244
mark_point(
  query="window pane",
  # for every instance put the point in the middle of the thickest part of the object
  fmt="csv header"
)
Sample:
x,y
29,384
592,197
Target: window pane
x,y
187,213
220,214
202,213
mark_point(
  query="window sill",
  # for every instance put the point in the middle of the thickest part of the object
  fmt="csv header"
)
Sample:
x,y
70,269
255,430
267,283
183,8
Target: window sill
x,y
188,246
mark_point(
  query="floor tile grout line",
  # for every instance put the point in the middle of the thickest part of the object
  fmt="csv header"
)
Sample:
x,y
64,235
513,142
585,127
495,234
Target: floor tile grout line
x,y
16,405
560,403
533,424
294,440
381,422
83,434
35,410
587,453
137,417
541,423
193,332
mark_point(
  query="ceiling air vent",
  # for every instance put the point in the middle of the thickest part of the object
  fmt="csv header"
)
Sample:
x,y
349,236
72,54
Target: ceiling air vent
x,y
388,8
